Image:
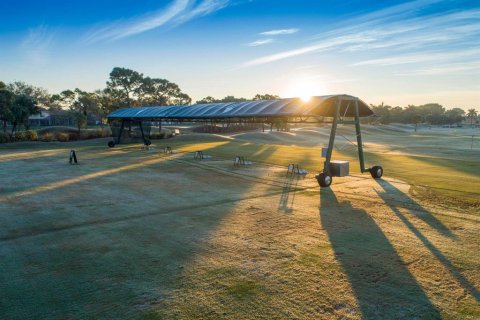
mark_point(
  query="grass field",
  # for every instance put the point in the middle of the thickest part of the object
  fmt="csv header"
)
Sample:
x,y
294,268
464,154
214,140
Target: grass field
x,y
135,234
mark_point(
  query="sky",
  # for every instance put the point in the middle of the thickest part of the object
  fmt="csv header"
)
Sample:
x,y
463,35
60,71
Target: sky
x,y
396,52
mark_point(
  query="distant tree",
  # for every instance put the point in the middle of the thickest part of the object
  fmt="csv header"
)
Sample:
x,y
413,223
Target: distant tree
x,y
7,99
23,107
472,115
411,114
161,92
382,112
80,104
125,84
232,99
454,115
266,97
106,101
2,85
40,95
208,99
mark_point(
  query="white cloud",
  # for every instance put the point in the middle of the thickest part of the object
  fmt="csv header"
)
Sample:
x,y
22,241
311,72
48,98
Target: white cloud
x,y
280,32
417,58
472,67
260,42
397,28
178,12
37,44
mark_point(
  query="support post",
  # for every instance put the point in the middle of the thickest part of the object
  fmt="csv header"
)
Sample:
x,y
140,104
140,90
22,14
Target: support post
x,y
326,165
359,139
119,138
141,130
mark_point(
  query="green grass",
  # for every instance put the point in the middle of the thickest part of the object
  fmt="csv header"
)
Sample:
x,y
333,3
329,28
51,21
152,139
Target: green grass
x,y
134,234
443,180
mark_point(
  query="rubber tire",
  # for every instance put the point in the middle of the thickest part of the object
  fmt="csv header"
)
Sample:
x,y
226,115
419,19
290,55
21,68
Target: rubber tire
x,y
376,172
324,180
111,144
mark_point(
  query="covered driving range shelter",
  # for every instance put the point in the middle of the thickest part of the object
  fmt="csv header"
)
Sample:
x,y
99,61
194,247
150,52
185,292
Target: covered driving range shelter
x,y
341,108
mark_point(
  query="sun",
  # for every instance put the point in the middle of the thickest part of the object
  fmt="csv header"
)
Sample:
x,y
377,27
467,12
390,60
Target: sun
x,y
305,98
305,89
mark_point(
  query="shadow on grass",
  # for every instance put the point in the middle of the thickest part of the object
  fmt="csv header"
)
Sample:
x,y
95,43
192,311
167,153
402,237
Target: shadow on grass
x,y
432,221
381,282
111,262
289,189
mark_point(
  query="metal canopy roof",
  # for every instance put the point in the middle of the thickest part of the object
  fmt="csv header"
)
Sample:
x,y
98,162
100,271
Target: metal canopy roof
x,y
324,106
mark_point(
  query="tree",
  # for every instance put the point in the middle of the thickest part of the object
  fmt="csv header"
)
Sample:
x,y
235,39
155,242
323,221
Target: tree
x,y
266,97
472,115
125,84
7,99
208,99
23,107
2,85
41,96
161,92
382,112
454,115
232,99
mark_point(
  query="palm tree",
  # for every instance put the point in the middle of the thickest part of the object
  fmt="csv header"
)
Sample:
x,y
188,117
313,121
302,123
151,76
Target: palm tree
x,y
472,115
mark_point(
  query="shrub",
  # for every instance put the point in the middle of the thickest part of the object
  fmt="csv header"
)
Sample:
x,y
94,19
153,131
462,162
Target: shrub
x,y
62,137
20,136
73,136
31,135
4,137
47,137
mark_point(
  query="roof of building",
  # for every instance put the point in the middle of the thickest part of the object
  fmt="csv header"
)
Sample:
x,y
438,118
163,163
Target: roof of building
x,y
323,106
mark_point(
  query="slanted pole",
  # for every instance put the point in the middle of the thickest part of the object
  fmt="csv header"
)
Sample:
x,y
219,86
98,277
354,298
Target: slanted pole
x,y
119,138
359,139
326,165
141,130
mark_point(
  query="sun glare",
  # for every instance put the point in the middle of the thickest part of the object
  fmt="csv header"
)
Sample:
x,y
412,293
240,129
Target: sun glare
x,y
305,98
305,89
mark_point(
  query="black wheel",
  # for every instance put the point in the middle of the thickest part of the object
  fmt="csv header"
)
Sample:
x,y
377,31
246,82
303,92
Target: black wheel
x,y
324,180
376,172
148,142
111,144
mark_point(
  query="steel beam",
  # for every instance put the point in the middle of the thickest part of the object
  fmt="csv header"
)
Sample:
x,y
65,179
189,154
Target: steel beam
x,y
119,138
326,165
359,139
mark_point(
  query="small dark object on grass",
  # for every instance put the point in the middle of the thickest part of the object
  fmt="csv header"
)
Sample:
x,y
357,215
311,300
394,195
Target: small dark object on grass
x,y
73,157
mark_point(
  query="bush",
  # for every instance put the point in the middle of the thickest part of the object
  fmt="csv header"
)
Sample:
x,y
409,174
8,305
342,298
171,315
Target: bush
x,y
157,135
4,137
47,137
31,135
73,136
62,137
20,136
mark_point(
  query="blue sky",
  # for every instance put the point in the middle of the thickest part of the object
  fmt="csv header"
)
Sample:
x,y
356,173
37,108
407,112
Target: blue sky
x,y
409,52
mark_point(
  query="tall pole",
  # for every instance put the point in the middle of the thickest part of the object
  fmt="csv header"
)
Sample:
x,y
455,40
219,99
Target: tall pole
x,y
359,138
326,166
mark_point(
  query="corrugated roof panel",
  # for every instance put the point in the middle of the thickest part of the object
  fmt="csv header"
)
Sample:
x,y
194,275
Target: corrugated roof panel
x,y
316,106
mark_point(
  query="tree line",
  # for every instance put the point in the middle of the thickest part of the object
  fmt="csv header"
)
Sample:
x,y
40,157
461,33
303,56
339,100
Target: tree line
x,y
124,88
432,113
127,88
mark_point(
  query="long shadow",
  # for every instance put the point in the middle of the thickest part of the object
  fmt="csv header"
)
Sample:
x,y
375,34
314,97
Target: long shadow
x,y
109,261
390,189
287,198
392,194
380,280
